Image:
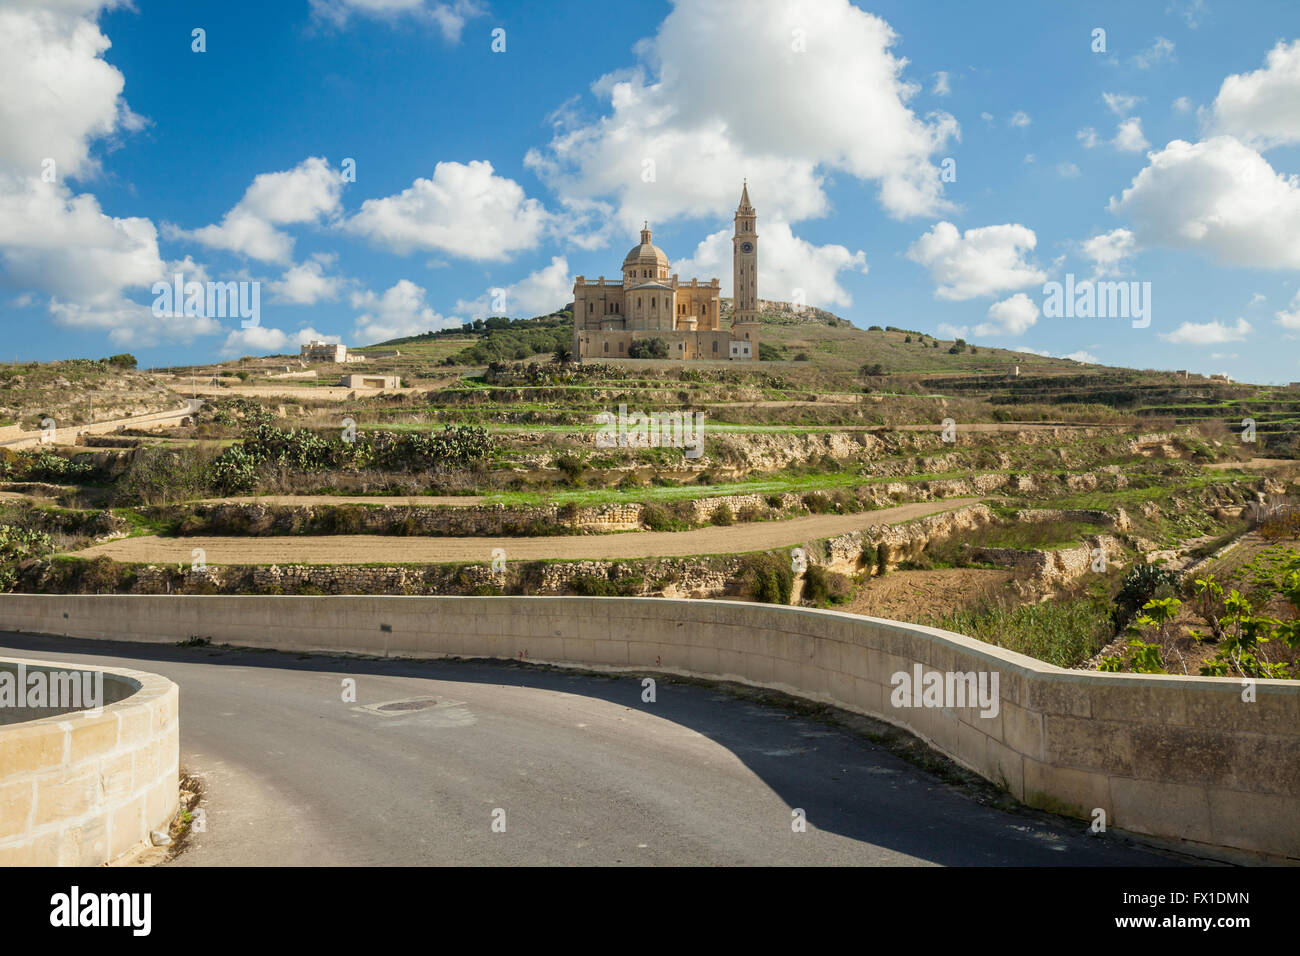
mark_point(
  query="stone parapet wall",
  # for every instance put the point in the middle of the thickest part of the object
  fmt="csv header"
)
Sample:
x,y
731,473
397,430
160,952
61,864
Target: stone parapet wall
x,y
1184,760
80,790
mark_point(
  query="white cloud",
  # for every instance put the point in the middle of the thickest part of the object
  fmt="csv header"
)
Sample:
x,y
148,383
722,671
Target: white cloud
x,y
981,261
1160,51
1129,137
1020,118
58,247
303,194
1190,10
1218,196
1109,250
1121,104
130,323
464,210
1068,170
987,117
1208,333
60,94
1262,108
307,284
1079,356
786,263
1182,105
755,120
539,293
401,310
264,340
942,84
1290,318
953,331
63,244
1010,316
450,18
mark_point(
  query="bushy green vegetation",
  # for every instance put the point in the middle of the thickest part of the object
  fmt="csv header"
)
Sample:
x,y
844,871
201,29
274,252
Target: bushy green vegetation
x,y
1063,632
41,465
768,577
822,587
502,339
17,544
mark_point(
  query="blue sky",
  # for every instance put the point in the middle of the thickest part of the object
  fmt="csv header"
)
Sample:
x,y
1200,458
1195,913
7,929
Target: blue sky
x,y
1171,158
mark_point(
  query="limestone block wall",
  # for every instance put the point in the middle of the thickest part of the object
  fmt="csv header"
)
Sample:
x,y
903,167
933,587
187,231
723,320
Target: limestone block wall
x,y
1189,760
78,790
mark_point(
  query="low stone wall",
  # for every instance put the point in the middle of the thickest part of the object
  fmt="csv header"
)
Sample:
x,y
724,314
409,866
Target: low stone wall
x,y
1180,759
80,790
1119,521
1056,566
902,542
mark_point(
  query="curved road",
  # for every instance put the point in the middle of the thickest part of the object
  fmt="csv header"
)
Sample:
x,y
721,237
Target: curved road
x,y
586,772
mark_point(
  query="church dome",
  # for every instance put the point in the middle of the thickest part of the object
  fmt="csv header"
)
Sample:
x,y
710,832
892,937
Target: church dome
x,y
646,254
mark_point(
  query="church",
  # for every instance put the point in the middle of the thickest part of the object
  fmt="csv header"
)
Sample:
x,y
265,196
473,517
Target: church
x,y
649,303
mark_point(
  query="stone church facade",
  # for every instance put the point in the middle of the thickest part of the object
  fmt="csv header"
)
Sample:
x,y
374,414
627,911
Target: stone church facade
x,y
650,303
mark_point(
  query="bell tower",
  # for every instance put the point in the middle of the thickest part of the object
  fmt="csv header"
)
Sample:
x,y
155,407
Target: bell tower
x,y
744,253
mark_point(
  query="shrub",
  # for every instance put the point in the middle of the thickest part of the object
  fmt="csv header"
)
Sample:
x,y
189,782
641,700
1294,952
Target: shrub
x,y
818,503
722,515
44,466
162,475
571,466
768,577
823,587
655,518
234,471
1137,588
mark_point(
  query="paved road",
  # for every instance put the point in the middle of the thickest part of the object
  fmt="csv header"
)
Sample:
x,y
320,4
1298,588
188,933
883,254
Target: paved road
x,y
373,548
586,772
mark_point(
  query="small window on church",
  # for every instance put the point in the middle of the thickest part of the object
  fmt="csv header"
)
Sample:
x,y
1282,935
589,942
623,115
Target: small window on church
x,y
715,345
652,302
620,348
591,306
606,346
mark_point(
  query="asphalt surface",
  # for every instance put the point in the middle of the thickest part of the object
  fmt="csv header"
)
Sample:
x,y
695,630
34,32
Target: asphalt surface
x,y
584,770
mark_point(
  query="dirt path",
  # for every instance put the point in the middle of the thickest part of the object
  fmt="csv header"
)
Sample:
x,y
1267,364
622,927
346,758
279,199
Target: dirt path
x,y
1252,464
378,549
